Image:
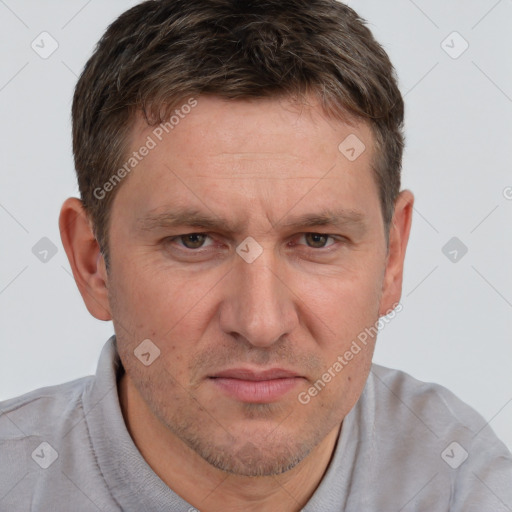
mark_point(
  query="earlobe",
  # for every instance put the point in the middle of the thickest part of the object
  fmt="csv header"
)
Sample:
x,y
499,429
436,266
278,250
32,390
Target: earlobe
x,y
85,258
398,239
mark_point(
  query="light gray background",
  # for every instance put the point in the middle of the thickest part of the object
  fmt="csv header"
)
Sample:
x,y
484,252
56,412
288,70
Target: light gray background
x,y
456,323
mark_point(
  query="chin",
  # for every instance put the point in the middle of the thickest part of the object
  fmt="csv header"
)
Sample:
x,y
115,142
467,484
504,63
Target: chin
x,y
253,461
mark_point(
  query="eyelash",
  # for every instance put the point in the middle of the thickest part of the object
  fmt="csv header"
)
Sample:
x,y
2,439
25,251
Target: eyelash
x,y
199,250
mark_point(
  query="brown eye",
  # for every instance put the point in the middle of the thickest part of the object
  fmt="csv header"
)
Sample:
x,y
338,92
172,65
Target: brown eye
x,y
318,240
193,240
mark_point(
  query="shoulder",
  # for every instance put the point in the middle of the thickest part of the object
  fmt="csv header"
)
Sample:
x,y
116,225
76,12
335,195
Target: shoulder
x,y
43,409
435,404
46,450
428,432
37,429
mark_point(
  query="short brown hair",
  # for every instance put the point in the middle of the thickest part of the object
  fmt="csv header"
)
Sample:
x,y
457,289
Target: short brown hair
x,y
160,52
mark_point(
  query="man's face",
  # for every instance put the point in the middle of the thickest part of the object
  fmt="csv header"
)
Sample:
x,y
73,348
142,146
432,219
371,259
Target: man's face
x,y
221,317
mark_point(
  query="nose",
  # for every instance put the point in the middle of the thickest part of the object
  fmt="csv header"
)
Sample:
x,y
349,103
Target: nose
x,y
259,305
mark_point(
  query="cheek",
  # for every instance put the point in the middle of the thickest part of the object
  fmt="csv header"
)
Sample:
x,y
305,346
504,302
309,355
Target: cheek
x,y
170,310
342,306
345,311
143,294
135,318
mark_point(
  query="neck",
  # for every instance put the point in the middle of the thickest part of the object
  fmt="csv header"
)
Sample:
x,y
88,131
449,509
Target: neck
x,y
208,488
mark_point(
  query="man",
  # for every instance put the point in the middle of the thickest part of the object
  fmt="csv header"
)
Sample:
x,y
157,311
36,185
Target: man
x,y
241,223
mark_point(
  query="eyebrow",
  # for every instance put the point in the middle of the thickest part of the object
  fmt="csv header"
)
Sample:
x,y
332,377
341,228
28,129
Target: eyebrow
x,y
180,217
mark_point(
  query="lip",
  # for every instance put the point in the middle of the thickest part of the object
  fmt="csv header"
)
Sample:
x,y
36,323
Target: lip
x,y
248,374
252,386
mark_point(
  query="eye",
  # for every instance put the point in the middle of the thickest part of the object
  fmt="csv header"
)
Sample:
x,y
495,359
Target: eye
x,y
191,240
317,240
194,241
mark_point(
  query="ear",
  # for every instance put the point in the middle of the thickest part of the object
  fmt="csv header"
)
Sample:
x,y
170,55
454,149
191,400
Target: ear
x,y
85,258
398,238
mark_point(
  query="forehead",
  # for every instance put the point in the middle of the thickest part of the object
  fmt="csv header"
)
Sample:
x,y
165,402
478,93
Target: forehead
x,y
221,150
252,129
